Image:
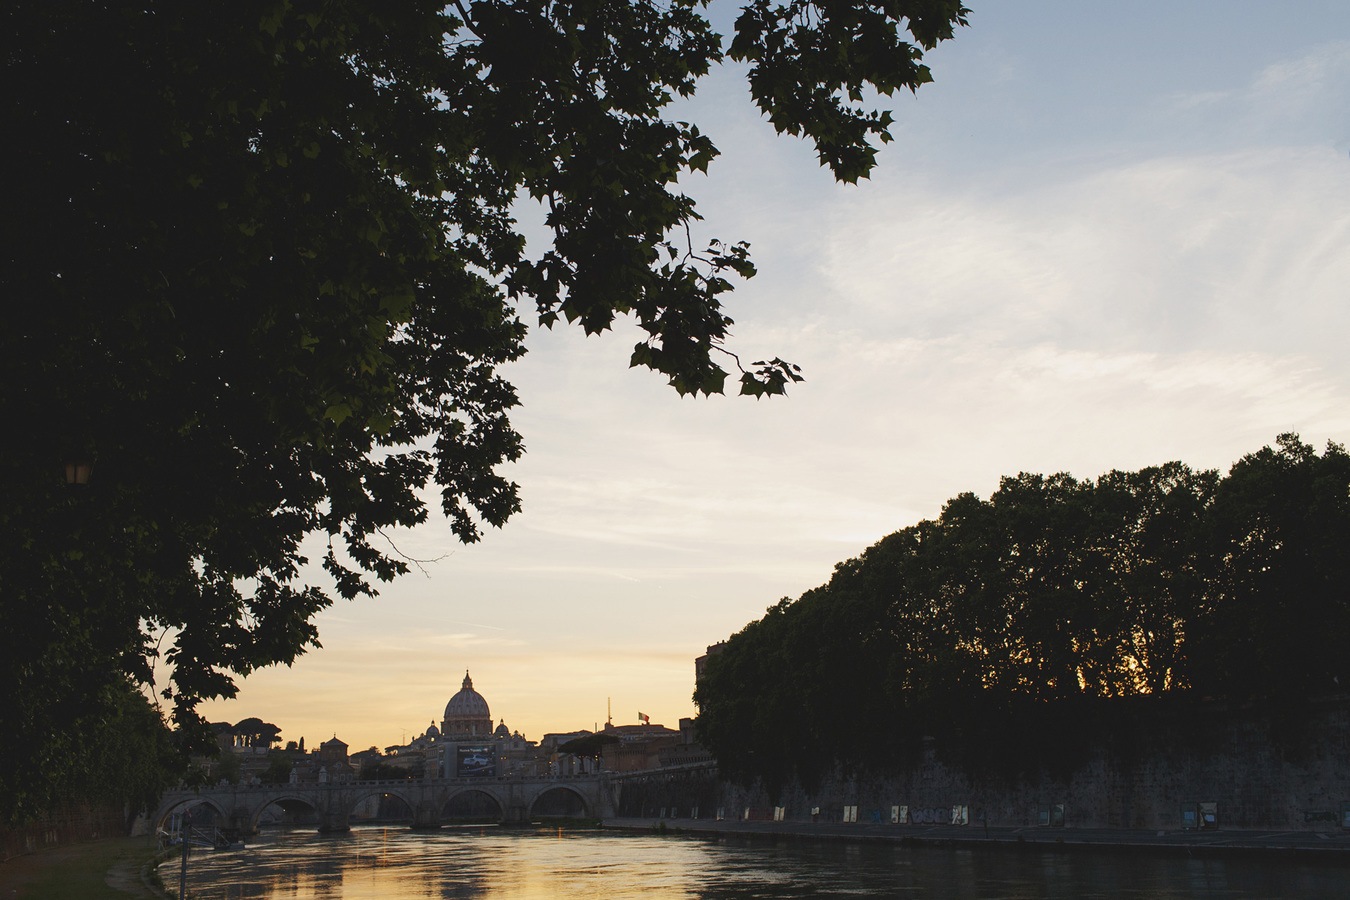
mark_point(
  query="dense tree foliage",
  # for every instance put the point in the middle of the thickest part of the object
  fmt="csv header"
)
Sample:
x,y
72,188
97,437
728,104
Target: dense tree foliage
x,y
279,766
589,745
1013,626
374,770
263,263
122,756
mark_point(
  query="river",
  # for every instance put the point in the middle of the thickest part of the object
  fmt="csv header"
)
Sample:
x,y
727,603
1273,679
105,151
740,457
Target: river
x,y
398,864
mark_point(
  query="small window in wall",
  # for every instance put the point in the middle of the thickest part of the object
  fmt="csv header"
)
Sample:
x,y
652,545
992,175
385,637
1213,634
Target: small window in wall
x,y
1190,816
850,813
1209,815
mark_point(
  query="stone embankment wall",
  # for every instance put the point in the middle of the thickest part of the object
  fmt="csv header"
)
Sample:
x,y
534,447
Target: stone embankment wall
x,y
1245,771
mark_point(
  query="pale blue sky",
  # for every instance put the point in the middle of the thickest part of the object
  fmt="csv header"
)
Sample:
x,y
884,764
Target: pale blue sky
x,y
1108,236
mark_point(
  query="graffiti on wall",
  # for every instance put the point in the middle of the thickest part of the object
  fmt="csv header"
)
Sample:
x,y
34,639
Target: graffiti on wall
x,y
956,814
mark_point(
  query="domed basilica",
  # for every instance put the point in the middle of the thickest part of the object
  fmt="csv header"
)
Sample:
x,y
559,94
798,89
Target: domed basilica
x,y
466,715
465,744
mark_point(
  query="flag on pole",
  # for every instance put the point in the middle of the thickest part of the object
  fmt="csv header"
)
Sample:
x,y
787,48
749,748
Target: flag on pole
x,y
645,720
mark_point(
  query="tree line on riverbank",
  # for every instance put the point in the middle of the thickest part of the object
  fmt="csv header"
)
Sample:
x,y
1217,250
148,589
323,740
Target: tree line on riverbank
x,y
1059,614
112,760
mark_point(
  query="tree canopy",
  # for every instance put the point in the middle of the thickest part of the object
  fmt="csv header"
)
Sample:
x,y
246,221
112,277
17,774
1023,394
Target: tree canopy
x,y
263,264
589,744
1008,628
256,732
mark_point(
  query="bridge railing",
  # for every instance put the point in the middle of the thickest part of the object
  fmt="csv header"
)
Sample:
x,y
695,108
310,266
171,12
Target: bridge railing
x,y
340,782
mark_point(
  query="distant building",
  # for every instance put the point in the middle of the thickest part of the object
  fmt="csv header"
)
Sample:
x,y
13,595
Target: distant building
x,y
421,756
361,758
639,746
688,751
701,663
467,745
555,739
330,761
515,754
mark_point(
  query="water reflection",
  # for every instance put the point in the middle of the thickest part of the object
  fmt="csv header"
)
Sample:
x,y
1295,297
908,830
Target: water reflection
x,y
398,864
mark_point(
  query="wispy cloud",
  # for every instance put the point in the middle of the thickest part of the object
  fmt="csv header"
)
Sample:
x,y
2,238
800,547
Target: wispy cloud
x,y
1285,102
1170,251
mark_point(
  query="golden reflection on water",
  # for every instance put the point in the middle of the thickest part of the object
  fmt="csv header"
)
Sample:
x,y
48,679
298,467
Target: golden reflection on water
x,y
397,864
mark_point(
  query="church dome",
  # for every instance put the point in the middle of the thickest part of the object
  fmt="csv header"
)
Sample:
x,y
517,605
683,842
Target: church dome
x,y
467,713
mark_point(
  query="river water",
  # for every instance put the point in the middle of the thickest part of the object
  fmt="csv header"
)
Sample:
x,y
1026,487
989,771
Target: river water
x,y
398,864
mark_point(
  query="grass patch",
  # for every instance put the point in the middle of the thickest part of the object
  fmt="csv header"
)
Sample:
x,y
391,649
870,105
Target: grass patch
x,y
78,871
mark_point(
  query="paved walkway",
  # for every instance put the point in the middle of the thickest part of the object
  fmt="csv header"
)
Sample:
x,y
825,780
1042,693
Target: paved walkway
x,y
1329,844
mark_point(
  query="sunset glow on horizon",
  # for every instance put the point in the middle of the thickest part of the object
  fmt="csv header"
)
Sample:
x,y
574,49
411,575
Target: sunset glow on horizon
x,y
1099,241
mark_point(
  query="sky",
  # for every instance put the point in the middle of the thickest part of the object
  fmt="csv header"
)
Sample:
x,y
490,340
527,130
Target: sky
x,y
1107,236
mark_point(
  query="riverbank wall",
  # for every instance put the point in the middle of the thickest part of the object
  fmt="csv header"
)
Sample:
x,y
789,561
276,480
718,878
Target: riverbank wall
x,y
1220,769
1331,848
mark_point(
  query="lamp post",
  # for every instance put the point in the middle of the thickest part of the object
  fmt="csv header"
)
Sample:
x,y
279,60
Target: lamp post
x,y
183,835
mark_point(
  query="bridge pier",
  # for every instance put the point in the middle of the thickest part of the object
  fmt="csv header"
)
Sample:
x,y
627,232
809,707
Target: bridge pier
x,y
333,822
515,811
426,817
240,822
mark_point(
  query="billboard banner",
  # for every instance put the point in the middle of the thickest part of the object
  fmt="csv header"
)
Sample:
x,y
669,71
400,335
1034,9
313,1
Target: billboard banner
x,y
475,762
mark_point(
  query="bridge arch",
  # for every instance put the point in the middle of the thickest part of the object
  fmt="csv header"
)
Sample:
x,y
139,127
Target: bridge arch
x,y
288,801
472,803
560,801
183,804
382,809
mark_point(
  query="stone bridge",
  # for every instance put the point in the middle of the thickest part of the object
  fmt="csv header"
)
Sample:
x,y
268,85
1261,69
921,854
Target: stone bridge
x,y
239,807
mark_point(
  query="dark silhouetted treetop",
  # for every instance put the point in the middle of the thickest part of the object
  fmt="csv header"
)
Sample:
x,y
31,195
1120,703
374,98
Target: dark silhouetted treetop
x,y
262,265
589,744
1012,629
257,732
